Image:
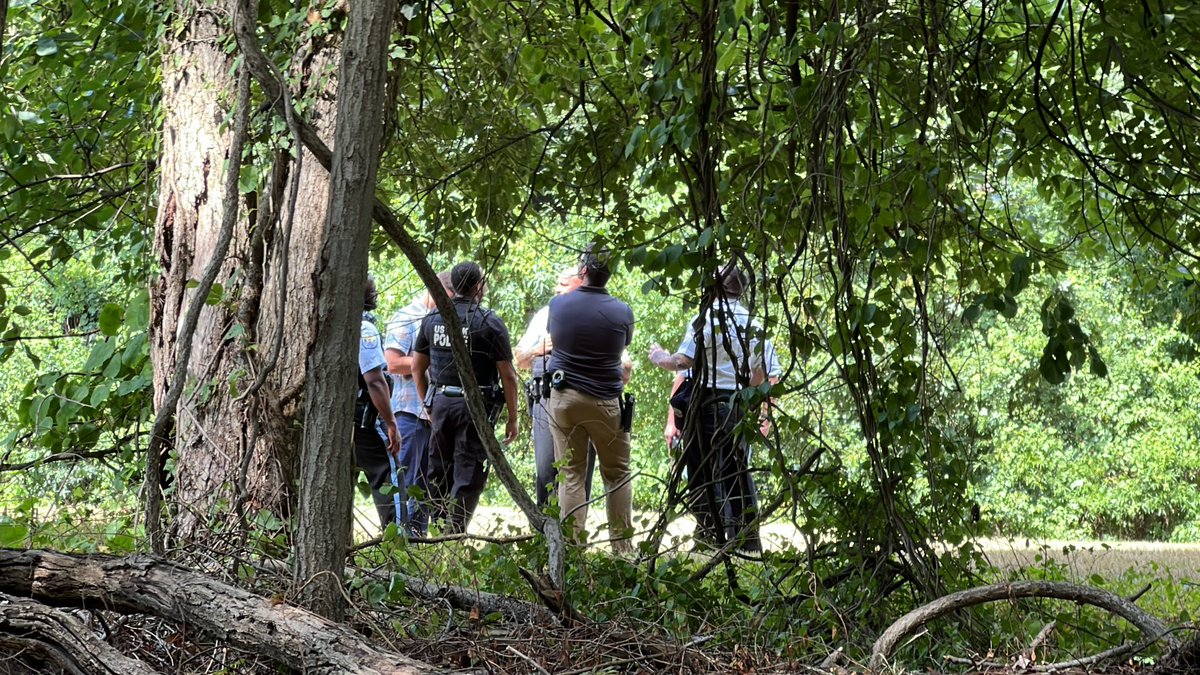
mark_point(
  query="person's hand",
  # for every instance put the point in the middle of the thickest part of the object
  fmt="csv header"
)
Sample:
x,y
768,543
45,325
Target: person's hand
x,y
656,353
670,433
394,440
547,345
764,425
511,430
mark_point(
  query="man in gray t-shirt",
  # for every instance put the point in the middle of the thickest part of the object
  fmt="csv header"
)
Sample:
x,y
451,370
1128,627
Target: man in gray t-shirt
x,y
533,353
590,330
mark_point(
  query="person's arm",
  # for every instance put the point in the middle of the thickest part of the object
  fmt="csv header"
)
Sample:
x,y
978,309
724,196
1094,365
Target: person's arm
x,y
668,361
671,432
508,377
626,368
398,363
524,355
381,398
420,366
535,342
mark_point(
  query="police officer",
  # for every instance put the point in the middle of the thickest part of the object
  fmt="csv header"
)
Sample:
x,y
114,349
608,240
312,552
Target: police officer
x,y
590,330
375,432
457,464
411,417
725,351
533,353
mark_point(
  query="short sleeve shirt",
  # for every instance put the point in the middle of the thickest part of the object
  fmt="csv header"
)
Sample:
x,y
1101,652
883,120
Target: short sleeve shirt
x,y
734,345
401,334
538,331
370,348
590,329
486,337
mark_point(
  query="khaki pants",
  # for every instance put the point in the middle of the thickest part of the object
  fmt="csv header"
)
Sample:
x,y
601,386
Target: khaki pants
x,y
576,418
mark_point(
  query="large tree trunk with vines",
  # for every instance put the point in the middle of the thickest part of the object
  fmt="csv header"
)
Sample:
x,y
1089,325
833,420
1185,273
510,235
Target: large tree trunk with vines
x,y
237,425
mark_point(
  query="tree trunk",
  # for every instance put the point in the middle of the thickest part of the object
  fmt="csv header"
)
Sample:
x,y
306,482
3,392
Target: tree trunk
x,y
287,634
323,535
233,449
190,200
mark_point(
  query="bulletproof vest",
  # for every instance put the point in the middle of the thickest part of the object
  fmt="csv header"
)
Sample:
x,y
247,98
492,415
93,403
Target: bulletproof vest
x,y
478,336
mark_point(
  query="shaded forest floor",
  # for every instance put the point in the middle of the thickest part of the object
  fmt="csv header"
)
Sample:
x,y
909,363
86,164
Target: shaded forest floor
x,y
461,640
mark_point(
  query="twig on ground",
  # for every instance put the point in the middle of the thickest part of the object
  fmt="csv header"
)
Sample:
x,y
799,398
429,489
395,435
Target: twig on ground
x,y
528,660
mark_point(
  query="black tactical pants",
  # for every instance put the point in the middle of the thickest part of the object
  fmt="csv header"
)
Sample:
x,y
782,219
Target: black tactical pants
x,y
370,454
457,468
721,491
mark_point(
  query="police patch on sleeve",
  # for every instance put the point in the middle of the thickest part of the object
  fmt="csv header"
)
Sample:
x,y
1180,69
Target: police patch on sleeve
x,y
370,341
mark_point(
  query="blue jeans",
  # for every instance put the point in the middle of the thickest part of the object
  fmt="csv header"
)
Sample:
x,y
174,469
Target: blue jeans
x,y
414,448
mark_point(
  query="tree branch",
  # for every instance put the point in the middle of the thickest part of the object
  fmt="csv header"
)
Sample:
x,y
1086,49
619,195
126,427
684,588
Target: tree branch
x,y
29,625
1151,627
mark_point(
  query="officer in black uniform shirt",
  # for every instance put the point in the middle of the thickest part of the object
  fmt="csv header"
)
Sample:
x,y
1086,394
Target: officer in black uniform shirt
x,y
457,462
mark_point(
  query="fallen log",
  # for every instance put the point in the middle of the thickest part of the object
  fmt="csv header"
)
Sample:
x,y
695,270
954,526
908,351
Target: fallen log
x,y
27,625
284,633
459,597
1151,627
468,598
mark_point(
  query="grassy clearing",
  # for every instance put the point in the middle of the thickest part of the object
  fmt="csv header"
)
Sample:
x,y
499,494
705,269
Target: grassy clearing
x,y
1080,560
1070,560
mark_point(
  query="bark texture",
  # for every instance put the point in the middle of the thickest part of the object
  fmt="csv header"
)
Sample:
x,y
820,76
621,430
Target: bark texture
x,y
322,536
231,448
197,97
26,625
287,634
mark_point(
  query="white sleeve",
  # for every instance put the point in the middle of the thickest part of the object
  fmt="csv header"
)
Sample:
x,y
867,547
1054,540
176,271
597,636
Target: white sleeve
x,y
537,330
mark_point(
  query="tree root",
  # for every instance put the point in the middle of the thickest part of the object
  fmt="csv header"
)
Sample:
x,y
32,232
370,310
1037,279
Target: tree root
x,y
1152,629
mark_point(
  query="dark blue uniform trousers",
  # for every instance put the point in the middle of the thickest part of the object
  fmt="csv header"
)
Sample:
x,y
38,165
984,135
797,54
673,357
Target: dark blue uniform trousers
x,y
721,491
457,468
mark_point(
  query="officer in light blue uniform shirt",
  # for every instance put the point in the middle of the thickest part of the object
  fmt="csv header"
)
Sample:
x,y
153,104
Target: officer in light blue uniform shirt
x,y
375,432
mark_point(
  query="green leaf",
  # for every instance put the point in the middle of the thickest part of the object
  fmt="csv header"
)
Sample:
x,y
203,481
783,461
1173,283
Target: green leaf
x,y
634,138
137,313
727,58
247,180
972,313
1009,310
13,535
1049,368
111,316
101,352
46,47
215,294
